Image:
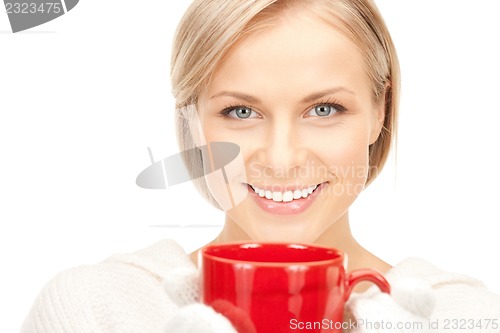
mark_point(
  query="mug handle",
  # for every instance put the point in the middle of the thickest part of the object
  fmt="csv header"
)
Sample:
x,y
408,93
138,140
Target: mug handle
x,y
365,274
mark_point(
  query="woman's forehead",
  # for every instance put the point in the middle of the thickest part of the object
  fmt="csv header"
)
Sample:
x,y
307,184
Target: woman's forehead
x,y
296,53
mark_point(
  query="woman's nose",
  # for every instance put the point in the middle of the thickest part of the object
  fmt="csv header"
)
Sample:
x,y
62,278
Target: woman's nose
x,y
283,151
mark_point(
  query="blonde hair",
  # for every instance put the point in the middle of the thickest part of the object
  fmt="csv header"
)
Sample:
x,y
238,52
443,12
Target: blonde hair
x,y
210,28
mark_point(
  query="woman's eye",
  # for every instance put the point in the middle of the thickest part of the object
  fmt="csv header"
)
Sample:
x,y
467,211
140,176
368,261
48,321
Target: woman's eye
x,y
323,110
241,112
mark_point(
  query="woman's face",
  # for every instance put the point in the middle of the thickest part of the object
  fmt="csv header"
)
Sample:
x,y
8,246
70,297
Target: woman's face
x,y
297,100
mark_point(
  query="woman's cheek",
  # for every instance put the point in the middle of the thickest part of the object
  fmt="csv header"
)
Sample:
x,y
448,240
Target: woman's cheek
x,y
347,160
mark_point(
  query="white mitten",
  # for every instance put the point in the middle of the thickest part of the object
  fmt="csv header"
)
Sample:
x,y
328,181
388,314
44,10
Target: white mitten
x,y
198,318
182,286
407,309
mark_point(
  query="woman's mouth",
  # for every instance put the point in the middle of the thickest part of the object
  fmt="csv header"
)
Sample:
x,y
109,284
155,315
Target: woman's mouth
x,y
289,201
287,196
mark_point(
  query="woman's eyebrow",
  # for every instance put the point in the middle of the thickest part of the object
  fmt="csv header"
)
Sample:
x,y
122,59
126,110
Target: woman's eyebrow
x,y
310,98
245,97
315,96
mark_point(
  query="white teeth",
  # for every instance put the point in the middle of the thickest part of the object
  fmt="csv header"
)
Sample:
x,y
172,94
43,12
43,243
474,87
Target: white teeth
x,y
277,196
285,196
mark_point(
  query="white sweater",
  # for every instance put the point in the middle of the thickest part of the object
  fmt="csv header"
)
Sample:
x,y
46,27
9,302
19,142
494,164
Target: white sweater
x,y
124,293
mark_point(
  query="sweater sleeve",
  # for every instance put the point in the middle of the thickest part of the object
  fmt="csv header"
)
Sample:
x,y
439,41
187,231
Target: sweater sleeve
x,y
122,294
63,305
459,298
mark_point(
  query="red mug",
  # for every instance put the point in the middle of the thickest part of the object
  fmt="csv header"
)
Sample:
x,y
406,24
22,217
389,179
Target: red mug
x,y
280,287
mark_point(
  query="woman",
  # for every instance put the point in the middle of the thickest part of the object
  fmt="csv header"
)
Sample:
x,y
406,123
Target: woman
x,y
309,91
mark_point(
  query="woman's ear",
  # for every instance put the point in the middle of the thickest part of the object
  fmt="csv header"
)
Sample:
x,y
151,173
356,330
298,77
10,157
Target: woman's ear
x,y
379,113
190,113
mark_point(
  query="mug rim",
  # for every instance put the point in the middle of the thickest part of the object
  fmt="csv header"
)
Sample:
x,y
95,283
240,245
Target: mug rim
x,y
337,261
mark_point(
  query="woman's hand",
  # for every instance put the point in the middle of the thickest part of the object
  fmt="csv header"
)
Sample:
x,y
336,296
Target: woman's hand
x,y
182,286
407,309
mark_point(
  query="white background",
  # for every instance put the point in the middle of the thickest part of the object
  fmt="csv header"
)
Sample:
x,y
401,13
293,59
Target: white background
x,y
83,96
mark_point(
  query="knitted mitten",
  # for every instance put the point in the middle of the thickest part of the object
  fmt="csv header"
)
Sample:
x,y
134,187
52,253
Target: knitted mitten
x,y
182,286
407,309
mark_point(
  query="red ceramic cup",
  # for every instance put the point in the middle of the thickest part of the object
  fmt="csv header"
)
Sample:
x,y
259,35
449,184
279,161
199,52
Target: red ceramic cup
x,y
278,287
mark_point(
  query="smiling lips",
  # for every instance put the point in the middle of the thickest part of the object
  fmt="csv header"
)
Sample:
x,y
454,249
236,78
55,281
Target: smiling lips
x,y
284,196
287,202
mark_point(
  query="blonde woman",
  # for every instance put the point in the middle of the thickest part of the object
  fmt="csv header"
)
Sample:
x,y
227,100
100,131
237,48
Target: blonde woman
x,y
308,89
